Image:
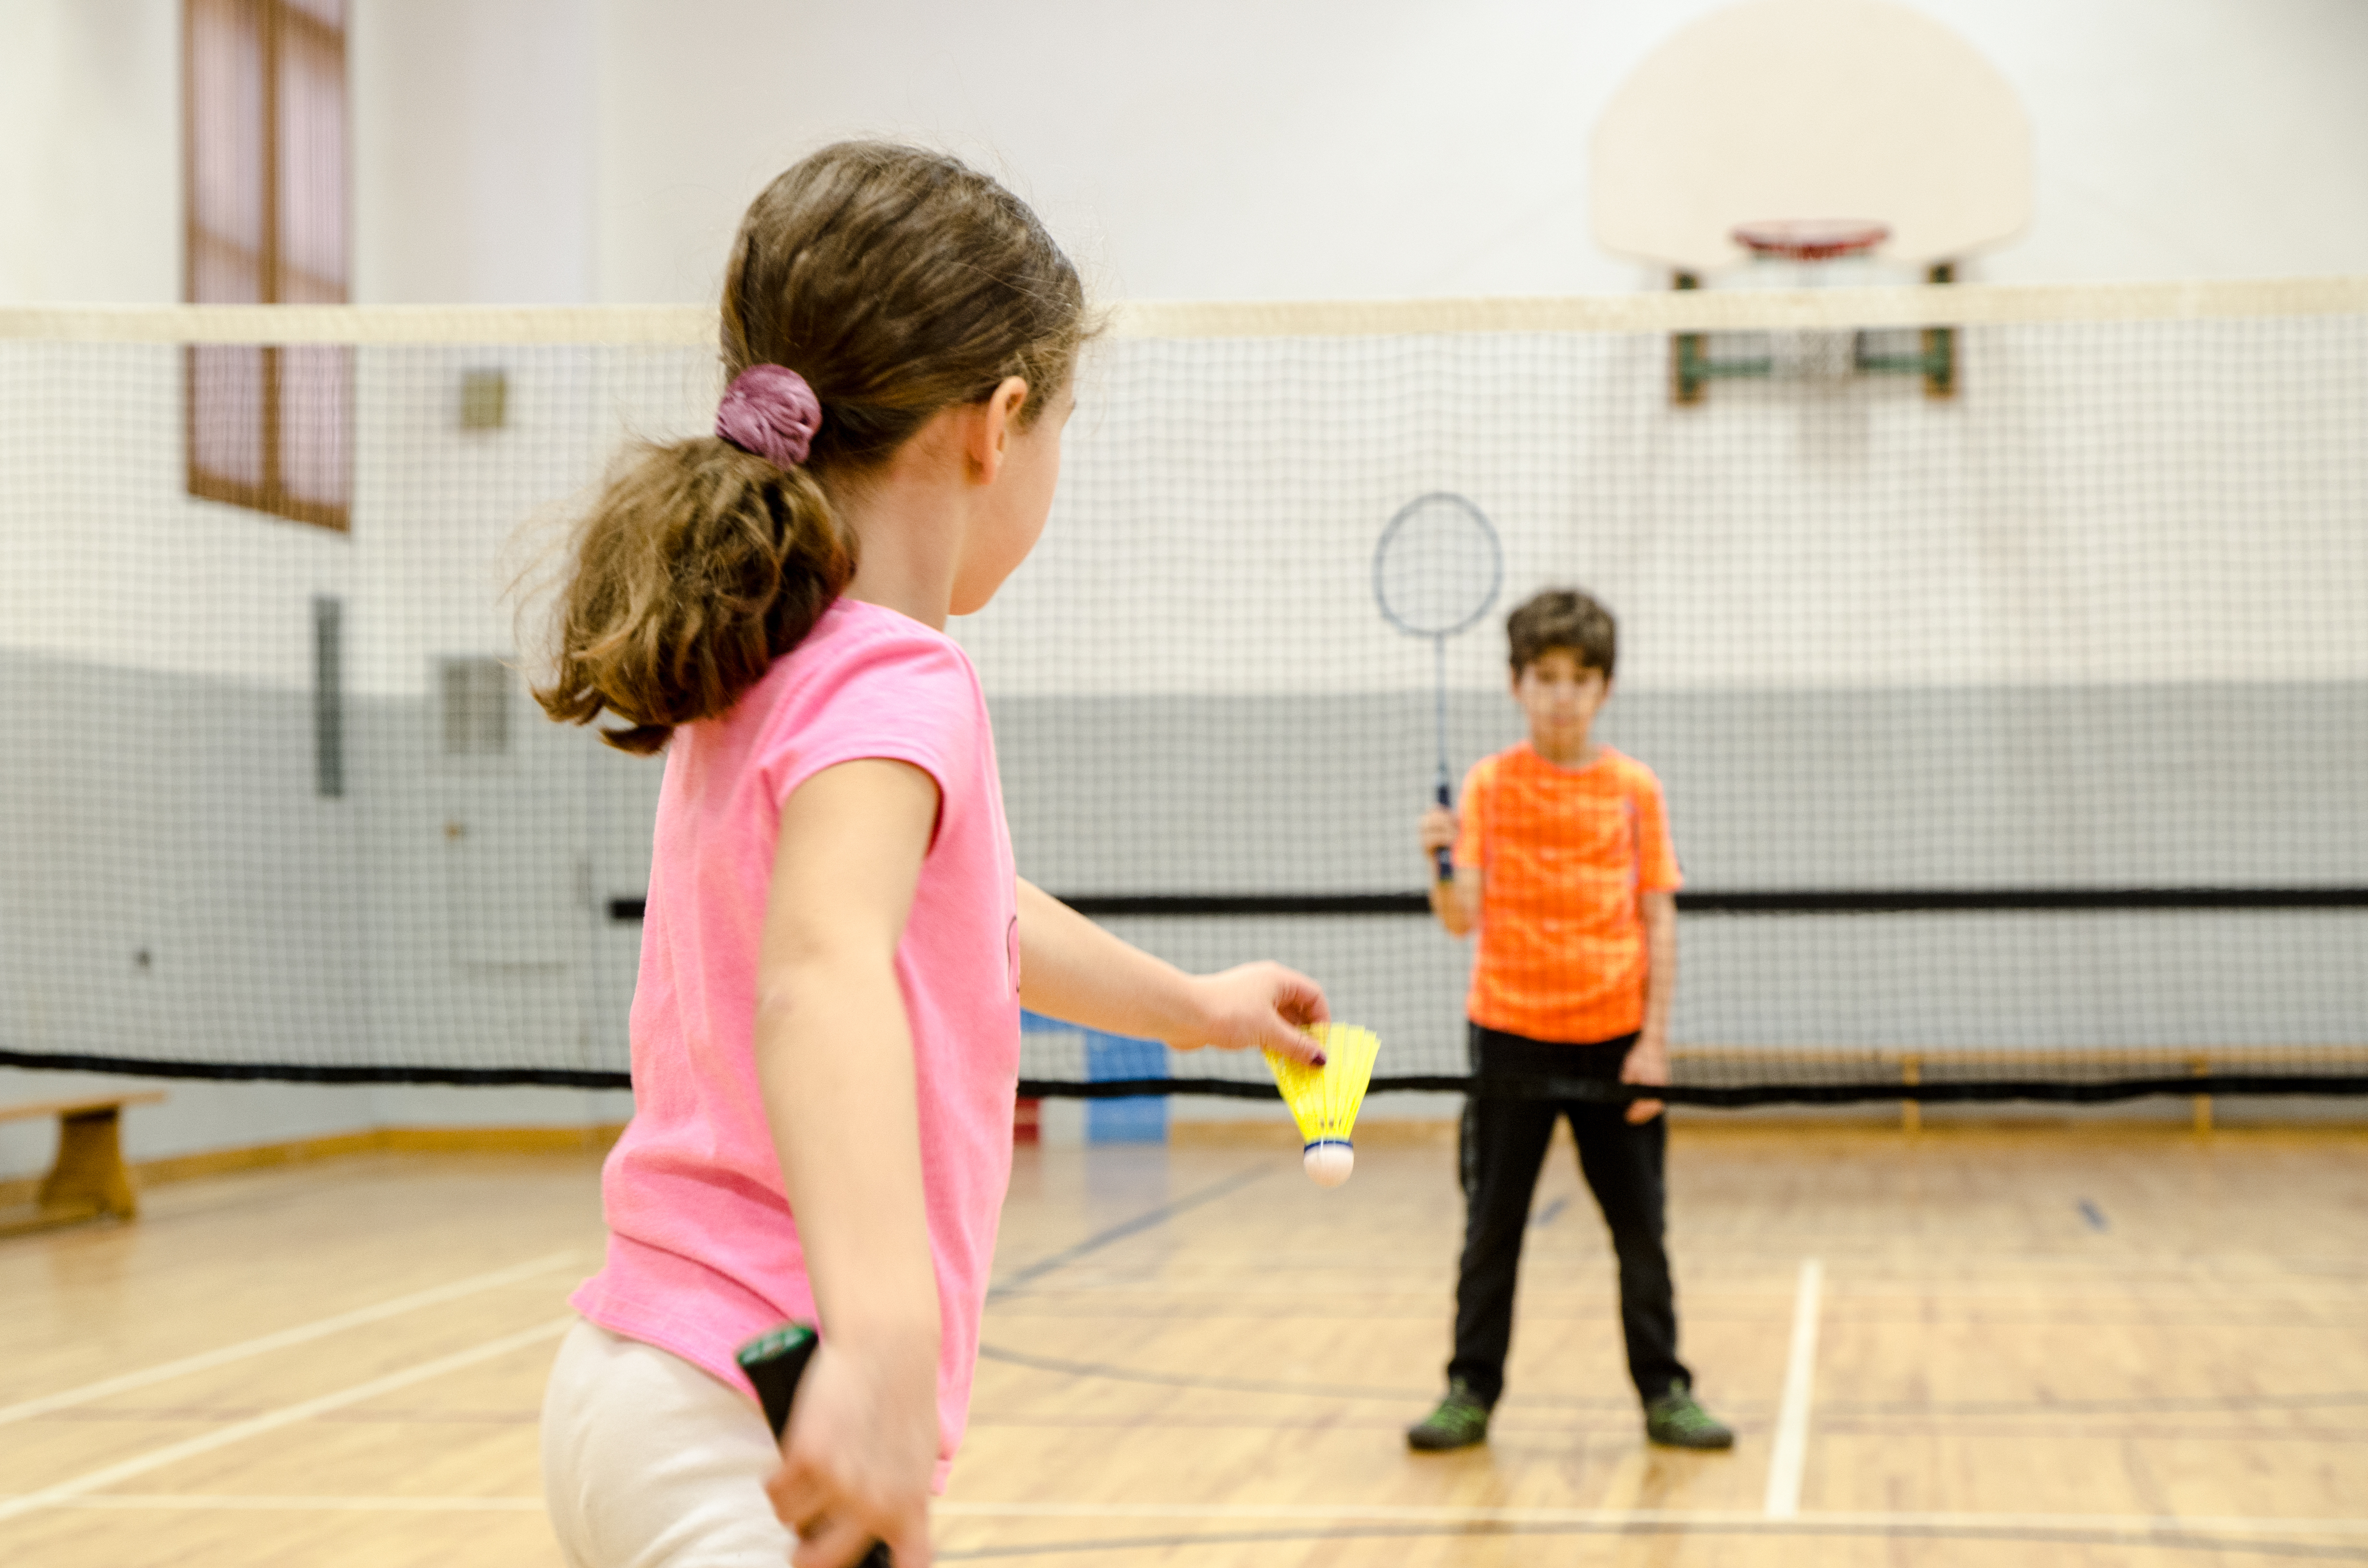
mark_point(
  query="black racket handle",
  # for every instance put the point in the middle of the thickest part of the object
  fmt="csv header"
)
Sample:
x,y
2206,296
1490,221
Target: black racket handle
x,y
774,1363
1445,857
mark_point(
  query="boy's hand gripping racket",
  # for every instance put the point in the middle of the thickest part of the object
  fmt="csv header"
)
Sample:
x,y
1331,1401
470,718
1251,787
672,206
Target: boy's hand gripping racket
x,y
774,1363
1437,571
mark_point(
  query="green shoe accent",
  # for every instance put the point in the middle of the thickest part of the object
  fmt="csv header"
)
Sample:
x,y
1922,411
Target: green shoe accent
x,y
1677,1421
1460,1422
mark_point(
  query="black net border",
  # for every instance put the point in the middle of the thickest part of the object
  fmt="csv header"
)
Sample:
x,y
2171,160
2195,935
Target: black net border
x,y
1900,901
2093,1091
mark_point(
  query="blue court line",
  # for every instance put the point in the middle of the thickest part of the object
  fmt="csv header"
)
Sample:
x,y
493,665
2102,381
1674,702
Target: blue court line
x,y
1550,1213
2094,1215
1120,1232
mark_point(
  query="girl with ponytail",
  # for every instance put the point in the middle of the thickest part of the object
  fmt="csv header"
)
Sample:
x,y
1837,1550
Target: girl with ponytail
x,y
825,1031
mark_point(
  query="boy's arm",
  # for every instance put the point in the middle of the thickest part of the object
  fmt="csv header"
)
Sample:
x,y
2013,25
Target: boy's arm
x,y
1072,970
1648,1059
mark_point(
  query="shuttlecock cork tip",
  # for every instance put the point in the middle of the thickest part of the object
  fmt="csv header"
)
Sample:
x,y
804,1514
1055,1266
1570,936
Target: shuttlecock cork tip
x,y
1330,1160
1324,1100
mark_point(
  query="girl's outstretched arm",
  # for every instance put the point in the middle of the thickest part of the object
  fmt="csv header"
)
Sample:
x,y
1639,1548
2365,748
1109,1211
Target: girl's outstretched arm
x,y
1072,970
835,1058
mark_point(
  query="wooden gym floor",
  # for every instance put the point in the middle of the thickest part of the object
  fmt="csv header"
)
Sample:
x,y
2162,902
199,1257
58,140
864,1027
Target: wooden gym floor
x,y
1963,1346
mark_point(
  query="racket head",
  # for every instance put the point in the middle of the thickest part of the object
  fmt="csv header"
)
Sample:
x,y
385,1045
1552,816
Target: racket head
x,y
1438,566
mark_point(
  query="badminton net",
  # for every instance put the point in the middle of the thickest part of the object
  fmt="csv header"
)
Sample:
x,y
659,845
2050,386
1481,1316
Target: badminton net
x,y
2004,673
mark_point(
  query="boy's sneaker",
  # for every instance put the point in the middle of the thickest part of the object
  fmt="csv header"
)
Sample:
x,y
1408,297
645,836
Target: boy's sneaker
x,y
1675,1421
1460,1422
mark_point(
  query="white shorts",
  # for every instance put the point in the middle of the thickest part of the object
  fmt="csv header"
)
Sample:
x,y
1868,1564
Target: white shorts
x,y
649,1462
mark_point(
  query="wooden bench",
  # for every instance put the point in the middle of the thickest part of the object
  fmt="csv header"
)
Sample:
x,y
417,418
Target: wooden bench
x,y
87,1180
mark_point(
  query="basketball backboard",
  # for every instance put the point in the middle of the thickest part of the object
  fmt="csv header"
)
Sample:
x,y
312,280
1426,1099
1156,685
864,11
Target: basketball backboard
x,y
1811,109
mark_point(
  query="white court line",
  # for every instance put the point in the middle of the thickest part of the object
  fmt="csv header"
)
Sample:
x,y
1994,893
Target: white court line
x,y
233,1502
1792,1448
2101,1525
272,1420
25,1410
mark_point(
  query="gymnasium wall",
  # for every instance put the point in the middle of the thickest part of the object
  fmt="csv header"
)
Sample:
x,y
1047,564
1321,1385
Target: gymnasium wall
x,y
569,150
1246,150
181,883
548,151
2094,643
471,174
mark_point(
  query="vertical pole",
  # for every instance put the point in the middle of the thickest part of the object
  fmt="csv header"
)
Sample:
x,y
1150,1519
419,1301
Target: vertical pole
x,y
1687,353
328,697
1941,342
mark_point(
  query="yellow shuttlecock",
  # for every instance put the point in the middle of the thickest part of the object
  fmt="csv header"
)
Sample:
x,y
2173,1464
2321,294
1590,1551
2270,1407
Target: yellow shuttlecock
x,y
1324,1100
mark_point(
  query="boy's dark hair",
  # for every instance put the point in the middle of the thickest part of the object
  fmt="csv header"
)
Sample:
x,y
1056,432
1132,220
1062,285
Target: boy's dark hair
x,y
898,282
1563,618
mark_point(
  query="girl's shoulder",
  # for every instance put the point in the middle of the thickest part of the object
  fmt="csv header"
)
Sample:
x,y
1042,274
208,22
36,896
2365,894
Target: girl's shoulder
x,y
859,624
856,643
866,682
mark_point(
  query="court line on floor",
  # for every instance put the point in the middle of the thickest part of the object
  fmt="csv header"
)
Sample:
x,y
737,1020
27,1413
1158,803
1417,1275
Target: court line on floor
x,y
1119,1232
1809,1523
1114,1373
233,1502
1449,1514
1789,1453
273,1420
2175,1404
1747,1526
25,1410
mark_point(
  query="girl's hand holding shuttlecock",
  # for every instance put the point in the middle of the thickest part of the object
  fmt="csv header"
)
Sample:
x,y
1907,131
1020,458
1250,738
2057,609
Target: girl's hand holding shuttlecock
x,y
1259,1007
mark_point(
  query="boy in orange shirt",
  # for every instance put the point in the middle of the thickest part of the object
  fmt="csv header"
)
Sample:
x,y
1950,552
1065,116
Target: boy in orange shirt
x,y
1563,861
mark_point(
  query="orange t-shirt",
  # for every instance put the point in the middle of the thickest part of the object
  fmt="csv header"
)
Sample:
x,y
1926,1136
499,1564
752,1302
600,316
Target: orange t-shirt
x,y
1563,854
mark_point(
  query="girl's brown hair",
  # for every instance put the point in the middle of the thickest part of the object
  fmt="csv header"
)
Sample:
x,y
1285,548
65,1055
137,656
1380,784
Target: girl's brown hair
x,y
899,283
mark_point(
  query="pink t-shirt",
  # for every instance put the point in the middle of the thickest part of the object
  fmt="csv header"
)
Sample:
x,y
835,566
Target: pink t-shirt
x,y
703,1251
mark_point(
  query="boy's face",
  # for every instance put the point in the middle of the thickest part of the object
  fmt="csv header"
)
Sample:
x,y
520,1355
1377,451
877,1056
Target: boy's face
x,y
1561,698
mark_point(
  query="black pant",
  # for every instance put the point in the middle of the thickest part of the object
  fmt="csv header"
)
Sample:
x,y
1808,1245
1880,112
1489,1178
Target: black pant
x,y
1505,1139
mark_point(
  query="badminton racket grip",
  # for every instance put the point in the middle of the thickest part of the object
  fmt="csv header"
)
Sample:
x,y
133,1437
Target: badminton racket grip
x,y
1444,856
775,1363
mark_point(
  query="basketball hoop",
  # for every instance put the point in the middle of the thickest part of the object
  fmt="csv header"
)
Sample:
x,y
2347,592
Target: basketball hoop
x,y
1810,239
1810,253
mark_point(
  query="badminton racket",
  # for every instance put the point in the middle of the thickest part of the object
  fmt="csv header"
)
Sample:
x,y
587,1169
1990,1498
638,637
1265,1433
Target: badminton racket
x,y
1435,571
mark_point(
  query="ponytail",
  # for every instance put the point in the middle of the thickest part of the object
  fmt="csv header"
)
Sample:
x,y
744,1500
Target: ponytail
x,y
698,566
871,287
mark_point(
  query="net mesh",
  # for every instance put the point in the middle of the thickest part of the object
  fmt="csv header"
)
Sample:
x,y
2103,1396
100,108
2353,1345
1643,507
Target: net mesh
x,y
2013,741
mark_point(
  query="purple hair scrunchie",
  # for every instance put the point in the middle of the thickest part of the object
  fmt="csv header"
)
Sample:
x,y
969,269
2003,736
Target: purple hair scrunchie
x,y
769,411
